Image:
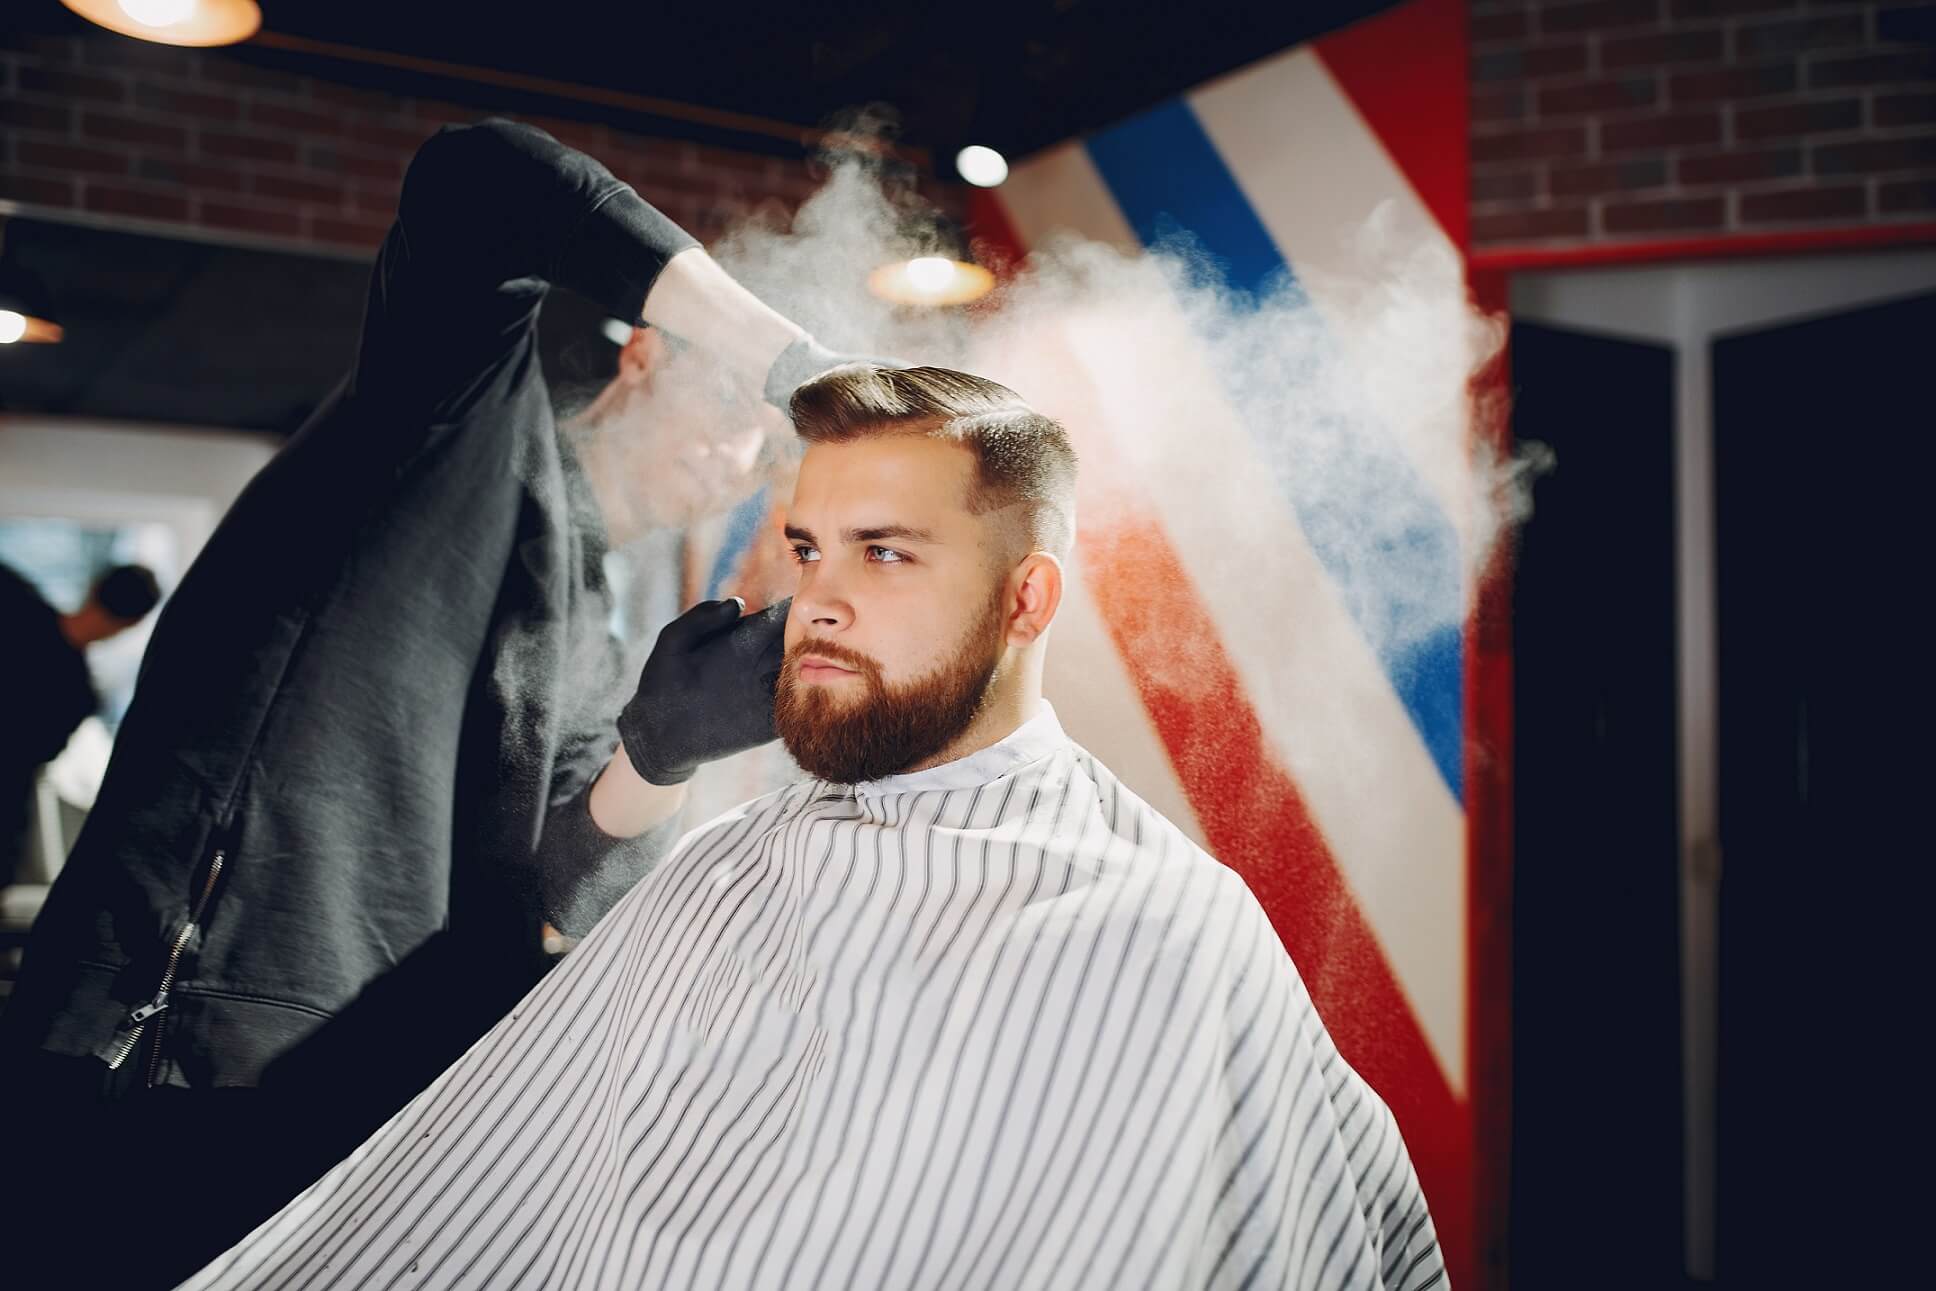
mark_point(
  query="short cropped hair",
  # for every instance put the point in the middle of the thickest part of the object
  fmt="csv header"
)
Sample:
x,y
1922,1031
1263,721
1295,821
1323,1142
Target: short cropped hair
x,y
1023,459
127,592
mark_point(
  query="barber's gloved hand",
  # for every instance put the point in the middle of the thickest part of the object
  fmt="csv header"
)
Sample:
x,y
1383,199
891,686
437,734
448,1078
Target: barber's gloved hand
x,y
806,359
707,690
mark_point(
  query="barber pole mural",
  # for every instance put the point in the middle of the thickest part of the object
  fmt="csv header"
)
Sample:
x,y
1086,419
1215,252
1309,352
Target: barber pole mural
x,y
1221,699
1357,780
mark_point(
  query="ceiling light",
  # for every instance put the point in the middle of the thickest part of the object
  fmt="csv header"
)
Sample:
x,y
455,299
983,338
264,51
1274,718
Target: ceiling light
x,y
159,13
982,167
930,280
175,22
26,312
26,329
930,273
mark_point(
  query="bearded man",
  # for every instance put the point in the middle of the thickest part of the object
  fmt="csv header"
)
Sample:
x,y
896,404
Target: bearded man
x,y
958,1011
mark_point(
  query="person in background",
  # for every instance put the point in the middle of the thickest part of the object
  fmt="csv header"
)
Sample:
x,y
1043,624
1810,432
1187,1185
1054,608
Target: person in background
x,y
383,733
48,692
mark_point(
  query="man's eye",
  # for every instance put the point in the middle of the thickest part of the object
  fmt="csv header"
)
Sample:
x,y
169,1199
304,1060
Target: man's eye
x,y
885,556
805,555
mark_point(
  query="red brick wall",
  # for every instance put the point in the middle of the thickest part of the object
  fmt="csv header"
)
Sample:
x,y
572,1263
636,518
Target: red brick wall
x,y
1605,120
205,139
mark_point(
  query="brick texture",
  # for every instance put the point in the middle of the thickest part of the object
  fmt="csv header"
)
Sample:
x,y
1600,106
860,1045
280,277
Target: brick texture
x,y
1531,225
206,139
1908,197
1658,133
1597,179
1905,109
1805,205
1667,215
1608,120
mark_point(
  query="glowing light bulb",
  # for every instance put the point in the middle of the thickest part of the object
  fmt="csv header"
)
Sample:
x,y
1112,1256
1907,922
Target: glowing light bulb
x,y
982,167
12,326
159,13
194,23
930,280
930,273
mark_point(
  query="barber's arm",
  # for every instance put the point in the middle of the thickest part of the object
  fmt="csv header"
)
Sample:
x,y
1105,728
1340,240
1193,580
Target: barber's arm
x,y
705,693
493,214
490,216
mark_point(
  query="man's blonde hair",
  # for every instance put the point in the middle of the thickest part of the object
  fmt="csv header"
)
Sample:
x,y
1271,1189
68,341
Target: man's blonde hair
x,y
1023,459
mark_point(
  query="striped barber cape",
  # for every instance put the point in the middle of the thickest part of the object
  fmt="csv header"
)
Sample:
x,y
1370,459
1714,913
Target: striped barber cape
x,y
993,1024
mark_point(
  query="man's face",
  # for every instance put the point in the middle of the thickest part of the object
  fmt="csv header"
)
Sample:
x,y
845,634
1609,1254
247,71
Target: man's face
x,y
898,622
677,443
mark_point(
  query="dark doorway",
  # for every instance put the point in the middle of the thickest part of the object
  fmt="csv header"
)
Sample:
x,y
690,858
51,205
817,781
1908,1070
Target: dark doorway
x,y
1596,1143
1823,472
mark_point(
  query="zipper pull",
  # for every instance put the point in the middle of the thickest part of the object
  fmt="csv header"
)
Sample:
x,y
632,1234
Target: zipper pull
x,y
148,1010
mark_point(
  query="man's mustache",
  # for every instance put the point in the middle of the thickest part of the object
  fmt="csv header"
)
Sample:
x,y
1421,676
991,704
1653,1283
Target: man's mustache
x,y
834,653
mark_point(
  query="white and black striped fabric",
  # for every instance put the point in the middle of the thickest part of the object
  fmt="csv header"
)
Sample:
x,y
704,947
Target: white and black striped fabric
x,y
992,1025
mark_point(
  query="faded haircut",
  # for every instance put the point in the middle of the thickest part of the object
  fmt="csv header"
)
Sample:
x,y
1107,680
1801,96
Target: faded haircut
x,y
1023,459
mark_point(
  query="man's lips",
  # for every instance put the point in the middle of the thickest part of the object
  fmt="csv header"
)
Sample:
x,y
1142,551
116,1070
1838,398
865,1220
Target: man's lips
x,y
815,667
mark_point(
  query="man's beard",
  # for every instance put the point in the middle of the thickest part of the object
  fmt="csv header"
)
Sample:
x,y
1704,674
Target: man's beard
x,y
890,728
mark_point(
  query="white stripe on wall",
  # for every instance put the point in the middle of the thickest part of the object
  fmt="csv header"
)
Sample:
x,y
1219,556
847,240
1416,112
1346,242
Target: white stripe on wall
x,y
1320,692
1351,226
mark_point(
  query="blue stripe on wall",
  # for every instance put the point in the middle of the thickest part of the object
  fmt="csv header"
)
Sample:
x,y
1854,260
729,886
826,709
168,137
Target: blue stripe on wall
x,y
742,526
1171,182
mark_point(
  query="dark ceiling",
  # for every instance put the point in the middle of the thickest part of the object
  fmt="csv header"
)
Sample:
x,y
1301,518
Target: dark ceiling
x,y
1016,75
163,330
188,332
192,333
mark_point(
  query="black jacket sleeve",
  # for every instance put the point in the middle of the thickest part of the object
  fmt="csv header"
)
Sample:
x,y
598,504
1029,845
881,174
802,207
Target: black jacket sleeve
x,y
490,216
584,871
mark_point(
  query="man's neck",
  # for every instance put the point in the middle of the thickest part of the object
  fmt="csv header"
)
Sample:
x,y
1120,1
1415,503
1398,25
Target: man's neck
x,y
1009,705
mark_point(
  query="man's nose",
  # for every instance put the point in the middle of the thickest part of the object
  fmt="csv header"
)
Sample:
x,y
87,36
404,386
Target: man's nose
x,y
820,604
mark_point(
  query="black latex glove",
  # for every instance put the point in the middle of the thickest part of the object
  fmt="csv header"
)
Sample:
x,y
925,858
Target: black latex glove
x,y
706,692
804,360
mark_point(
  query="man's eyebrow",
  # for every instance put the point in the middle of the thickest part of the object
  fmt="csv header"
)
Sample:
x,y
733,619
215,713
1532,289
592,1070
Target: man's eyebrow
x,y
878,533
888,533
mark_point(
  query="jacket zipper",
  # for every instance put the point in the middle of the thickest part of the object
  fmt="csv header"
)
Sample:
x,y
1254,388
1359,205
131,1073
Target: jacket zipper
x,y
138,1019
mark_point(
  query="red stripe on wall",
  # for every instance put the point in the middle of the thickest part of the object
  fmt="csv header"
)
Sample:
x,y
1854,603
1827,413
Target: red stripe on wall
x,y
1489,836
1405,72
1256,822
991,234
1252,814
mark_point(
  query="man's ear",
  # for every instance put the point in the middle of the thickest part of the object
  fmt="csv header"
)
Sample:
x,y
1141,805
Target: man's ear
x,y
640,355
1035,593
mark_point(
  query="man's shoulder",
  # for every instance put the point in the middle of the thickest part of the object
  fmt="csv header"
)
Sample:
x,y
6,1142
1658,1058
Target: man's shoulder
x,y
1163,854
1130,816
